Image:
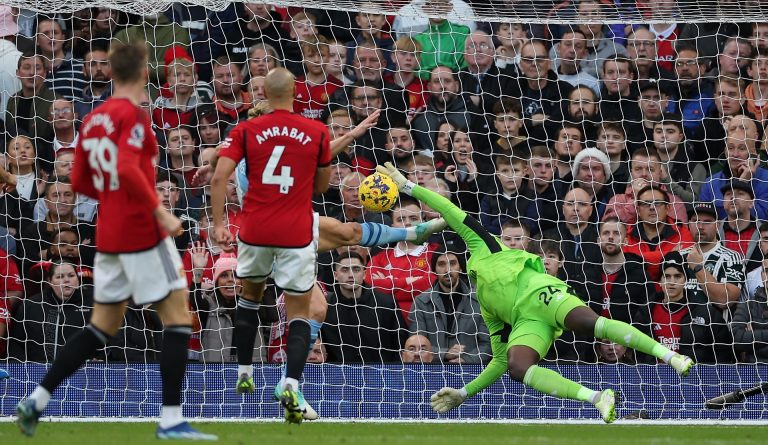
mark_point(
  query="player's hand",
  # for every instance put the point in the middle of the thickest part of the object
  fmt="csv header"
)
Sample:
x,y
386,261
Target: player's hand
x,y
202,176
367,123
392,171
169,222
446,399
224,238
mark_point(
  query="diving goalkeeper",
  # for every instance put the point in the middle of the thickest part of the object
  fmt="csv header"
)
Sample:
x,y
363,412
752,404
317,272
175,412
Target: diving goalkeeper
x,y
525,311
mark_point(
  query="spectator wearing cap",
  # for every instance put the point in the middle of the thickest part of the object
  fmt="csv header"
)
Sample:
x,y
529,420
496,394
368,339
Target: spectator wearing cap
x,y
656,233
592,172
739,229
742,163
9,57
182,94
654,100
683,319
715,270
644,170
97,72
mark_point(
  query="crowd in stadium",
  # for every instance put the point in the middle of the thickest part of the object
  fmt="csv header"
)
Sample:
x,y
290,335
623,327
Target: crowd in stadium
x,y
629,157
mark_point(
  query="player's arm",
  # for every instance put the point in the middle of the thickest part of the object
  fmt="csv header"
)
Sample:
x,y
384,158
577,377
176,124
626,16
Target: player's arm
x,y
224,169
323,172
469,229
340,144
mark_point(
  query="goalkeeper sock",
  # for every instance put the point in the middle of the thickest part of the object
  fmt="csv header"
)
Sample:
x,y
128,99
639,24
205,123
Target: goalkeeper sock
x,y
297,348
549,382
629,336
375,234
76,351
246,327
173,362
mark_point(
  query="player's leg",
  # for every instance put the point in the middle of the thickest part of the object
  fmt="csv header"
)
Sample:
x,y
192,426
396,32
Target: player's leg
x,y
334,233
585,321
529,342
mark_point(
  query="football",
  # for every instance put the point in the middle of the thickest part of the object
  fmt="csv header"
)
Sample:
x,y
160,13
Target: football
x,y
378,193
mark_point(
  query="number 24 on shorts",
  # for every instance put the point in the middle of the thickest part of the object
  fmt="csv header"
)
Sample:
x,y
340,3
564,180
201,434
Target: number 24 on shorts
x,y
547,295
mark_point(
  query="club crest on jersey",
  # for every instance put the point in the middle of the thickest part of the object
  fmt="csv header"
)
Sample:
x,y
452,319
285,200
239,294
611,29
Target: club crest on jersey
x,y
137,136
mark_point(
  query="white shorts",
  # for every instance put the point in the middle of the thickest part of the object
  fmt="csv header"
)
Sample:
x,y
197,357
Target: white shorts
x,y
294,270
147,276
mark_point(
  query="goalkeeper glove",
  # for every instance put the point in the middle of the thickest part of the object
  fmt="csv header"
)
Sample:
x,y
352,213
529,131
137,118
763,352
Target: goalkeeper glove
x,y
403,184
447,399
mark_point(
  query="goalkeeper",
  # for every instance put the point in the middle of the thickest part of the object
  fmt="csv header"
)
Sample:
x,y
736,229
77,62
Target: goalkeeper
x,y
525,311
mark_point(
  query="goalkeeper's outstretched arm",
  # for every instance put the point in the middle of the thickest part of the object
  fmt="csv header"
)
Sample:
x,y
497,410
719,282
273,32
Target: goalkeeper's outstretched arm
x,y
478,239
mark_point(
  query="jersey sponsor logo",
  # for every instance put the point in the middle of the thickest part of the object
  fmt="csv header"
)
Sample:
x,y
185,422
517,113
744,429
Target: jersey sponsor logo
x,y
137,136
672,343
226,143
276,131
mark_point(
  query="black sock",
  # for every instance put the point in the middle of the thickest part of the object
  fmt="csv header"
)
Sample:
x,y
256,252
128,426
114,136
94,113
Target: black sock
x,y
173,362
246,326
75,352
297,348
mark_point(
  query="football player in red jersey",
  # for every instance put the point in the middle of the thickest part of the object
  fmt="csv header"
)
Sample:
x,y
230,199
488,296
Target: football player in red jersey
x,y
287,159
115,164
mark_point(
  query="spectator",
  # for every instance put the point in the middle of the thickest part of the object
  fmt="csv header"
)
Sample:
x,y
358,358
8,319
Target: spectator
x,y
655,233
198,272
361,99
318,354
507,123
406,58
739,232
758,71
653,103
577,235
741,163
412,18
85,207
183,95
420,169
483,81
462,173
568,142
351,209
693,98
63,120
65,246
232,102
666,35
448,314
677,158
445,103
65,74
733,61
550,254
339,124
592,173
362,325
399,148
644,169
9,57
442,42
569,58
612,141
729,103
371,28
210,128
511,199
591,15
97,73
759,35
168,188
160,35
581,110
337,62
750,325
641,49
257,24
18,204
756,277
718,272
43,322
139,338
622,287
417,349
403,271
515,235
511,38
28,110
684,320
547,190
618,99
11,285
262,57
315,87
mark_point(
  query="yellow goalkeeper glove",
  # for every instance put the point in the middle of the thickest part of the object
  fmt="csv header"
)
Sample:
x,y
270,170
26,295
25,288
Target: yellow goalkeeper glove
x,y
403,184
447,399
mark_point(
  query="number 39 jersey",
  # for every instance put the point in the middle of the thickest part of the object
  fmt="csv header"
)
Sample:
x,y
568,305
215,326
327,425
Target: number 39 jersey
x,y
282,152
115,164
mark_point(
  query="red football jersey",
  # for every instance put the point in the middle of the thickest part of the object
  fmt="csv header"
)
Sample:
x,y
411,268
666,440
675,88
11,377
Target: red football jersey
x,y
312,100
282,151
115,164
11,280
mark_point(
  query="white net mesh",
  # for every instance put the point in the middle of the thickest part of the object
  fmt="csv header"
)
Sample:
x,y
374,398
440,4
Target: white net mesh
x,y
538,118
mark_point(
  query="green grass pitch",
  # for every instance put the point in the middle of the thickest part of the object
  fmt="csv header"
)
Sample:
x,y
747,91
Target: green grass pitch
x,y
397,433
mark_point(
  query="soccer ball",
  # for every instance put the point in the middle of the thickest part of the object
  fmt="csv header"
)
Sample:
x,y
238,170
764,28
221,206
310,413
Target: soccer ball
x,y
378,193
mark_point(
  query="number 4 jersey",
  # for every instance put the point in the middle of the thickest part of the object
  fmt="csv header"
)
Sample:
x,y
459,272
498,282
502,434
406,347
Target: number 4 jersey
x,y
115,163
282,152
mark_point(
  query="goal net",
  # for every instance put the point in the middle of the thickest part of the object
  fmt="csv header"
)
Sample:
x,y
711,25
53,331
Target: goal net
x,y
622,142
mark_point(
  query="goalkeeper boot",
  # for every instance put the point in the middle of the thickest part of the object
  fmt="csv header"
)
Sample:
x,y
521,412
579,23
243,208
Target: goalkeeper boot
x,y
183,431
682,364
307,412
245,384
289,400
27,416
427,229
606,404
